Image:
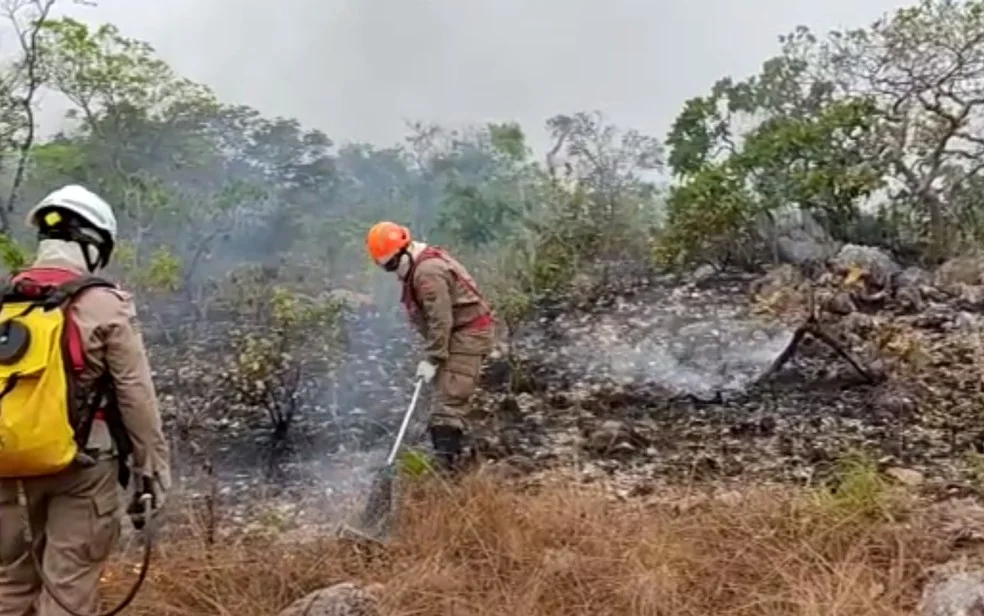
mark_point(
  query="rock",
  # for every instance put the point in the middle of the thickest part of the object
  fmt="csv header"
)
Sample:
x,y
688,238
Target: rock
x,y
610,437
702,273
912,277
879,267
857,323
776,280
912,286
895,401
840,304
958,594
968,270
934,318
909,299
345,599
797,238
802,253
969,297
966,321
905,476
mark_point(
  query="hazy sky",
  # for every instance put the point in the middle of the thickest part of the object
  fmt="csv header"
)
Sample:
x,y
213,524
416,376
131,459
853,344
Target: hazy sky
x,y
357,68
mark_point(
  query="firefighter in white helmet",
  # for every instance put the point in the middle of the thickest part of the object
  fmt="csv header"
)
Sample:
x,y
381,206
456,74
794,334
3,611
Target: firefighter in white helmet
x,y
76,511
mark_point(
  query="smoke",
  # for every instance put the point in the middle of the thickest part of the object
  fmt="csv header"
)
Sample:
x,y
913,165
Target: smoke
x,y
671,340
702,359
357,69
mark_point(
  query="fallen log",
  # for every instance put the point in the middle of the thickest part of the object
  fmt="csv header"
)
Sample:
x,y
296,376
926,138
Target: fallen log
x,y
811,327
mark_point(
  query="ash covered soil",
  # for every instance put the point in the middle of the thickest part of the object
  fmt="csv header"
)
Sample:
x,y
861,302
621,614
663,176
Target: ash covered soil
x,y
652,379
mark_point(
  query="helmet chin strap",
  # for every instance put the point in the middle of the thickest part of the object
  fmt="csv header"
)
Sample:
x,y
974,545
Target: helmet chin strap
x,y
88,248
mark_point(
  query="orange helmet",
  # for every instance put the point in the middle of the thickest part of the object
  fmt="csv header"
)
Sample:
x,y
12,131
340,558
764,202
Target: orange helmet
x,y
386,240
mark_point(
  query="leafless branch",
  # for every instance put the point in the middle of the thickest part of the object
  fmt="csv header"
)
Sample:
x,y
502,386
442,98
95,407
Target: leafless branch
x,y
31,49
811,327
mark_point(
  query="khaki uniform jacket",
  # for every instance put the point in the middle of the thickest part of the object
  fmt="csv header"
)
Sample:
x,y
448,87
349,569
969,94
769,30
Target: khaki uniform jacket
x,y
445,304
112,342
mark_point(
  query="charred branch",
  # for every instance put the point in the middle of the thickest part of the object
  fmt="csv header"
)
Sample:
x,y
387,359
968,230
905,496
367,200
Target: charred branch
x,y
811,327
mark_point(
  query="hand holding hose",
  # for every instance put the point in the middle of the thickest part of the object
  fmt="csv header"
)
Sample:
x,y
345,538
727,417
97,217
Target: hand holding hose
x,y
426,371
145,502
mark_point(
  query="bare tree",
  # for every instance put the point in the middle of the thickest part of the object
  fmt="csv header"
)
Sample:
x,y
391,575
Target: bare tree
x,y
925,67
605,165
32,80
19,87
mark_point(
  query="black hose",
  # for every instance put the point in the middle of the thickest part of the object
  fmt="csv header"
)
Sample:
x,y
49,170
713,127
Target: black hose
x,y
146,533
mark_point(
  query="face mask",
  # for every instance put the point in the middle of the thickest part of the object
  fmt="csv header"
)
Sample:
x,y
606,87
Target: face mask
x,y
404,265
399,264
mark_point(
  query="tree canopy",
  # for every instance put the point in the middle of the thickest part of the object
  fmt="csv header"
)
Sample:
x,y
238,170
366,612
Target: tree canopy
x,y
881,121
872,127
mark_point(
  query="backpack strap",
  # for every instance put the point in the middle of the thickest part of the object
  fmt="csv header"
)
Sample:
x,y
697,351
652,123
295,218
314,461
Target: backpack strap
x,y
102,389
428,253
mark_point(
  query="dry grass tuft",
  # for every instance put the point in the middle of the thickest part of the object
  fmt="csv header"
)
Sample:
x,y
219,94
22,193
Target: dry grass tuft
x,y
490,548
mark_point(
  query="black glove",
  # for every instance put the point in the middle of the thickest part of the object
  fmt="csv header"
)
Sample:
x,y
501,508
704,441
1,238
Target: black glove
x,y
144,503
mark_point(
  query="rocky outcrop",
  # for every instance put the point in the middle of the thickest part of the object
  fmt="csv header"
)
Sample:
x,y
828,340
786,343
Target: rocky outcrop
x,y
877,265
346,599
796,238
968,270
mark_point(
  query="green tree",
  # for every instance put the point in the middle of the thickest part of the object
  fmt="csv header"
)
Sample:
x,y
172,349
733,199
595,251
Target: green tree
x,y
481,205
825,163
924,67
895,106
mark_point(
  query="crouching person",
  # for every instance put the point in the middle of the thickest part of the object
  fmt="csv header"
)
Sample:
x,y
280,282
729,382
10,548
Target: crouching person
x,y
78,413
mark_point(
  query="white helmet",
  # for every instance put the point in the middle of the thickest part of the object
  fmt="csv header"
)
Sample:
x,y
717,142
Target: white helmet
x,y
91,221
86,204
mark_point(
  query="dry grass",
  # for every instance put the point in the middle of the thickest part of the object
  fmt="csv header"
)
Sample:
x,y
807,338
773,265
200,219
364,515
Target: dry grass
x,y
489,548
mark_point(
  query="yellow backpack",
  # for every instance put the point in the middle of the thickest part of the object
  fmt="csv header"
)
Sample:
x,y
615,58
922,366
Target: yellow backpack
x,y
44,419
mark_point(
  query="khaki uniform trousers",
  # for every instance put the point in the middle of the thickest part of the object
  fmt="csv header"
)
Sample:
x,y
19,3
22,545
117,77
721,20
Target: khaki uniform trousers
x,y
457,379
75,515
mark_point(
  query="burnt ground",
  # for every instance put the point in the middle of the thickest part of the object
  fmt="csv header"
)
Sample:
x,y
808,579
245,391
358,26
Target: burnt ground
x,y
660,381
645,380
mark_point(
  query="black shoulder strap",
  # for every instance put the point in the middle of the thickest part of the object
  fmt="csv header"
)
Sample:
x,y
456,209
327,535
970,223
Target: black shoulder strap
x,y
76,286
67,291
8,288
12,291
50,296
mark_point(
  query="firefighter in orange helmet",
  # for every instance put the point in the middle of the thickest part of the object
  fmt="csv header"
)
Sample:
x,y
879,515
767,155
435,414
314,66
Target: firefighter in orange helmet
x,y
458,326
